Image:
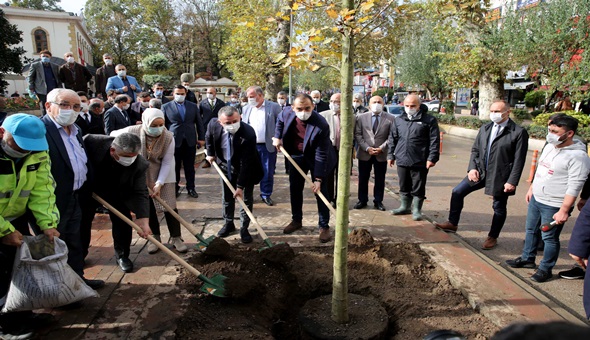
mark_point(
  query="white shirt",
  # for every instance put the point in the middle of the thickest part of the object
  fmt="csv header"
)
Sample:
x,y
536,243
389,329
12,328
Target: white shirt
x,y
258,123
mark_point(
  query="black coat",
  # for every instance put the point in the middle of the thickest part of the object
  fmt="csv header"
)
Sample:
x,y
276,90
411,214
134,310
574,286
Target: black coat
x,y
321,106
114,182
207,113
412,142
245,161
96,125
135,111
506,159
114,120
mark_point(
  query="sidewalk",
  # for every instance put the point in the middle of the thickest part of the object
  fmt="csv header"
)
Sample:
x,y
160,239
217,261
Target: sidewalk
x,y
146,302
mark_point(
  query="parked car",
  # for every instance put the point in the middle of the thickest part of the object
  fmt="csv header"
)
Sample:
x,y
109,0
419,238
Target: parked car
x,y
433,105
396,110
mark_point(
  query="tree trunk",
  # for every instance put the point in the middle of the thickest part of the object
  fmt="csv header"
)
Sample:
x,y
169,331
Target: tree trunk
x,y
276,75
488,92
548,101
340,279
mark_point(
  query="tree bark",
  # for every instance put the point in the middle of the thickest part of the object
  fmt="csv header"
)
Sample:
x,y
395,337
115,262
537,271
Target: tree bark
x,y
488,92
276,74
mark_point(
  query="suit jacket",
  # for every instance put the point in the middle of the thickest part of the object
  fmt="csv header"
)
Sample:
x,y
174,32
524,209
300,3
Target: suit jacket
x,y
329,116
245,161
506,159
206,112
80,82
191,129
102,75
135,112
164,99
114,120
116,83
61,167
191,97
365,138
96,125
322,106
317,148
37,77
114,182
272,111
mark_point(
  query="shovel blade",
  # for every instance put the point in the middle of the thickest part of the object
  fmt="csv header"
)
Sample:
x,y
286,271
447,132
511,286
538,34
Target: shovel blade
x,y
203,242
268,244
214,285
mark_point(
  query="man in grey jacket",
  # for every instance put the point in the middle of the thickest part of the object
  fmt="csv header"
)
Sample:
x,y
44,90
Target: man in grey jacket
x,y
43,77
561,172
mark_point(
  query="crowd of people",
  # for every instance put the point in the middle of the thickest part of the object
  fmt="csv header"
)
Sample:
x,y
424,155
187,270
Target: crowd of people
x,y
130,148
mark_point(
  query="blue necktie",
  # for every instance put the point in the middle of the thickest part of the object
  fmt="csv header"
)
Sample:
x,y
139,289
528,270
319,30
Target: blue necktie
x,y
181,111
229,142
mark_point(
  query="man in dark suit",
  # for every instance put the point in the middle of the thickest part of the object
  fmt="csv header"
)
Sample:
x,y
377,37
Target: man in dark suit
x,y
117,118
306,136
137,108
119,177
92,121
282,99
496,164
103,74
232,144
184,121
210,106
73,75
319,104
43,77
371,133
69,168
158,90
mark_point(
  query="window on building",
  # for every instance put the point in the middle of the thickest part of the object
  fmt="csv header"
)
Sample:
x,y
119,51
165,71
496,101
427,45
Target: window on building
x,y
40,41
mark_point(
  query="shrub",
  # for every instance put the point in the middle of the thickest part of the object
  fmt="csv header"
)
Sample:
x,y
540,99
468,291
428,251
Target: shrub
x,y
543,119
151,79
534,98
20,103
470,122
444,119
535,113
536,131
449,106
518,115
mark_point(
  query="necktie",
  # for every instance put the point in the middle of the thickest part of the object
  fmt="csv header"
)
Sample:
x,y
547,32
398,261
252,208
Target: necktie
x,y
87,117
229,142
181,111
211,104
375,123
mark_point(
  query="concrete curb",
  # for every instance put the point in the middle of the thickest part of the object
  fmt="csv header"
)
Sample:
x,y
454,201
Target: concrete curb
x,y
534,144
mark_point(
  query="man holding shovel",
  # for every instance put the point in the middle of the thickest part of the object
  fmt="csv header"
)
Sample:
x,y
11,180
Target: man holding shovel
x,y
232,144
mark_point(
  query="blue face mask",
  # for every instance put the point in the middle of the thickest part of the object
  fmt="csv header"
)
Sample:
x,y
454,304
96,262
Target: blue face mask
x,y
159,93
155,131
45,59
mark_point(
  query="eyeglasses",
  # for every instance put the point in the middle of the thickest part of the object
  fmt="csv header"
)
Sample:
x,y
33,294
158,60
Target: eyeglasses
x,y
67,106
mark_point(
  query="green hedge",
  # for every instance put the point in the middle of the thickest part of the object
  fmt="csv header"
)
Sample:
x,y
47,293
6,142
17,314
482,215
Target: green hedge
x,y
519,115
542,119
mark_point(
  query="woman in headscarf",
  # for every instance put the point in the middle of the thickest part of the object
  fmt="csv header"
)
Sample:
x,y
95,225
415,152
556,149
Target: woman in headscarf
x,y
157,147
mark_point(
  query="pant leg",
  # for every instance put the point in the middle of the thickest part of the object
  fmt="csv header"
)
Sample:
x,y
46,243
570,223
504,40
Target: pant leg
x,y
418,176
173,224
7,254
188,162
154,222
364,175
228,202
464,188
323,210
88,208
380,169
122,232
249,200
533,221
269,162
69,230
586,296
178,152
42,101
550,238
405,181
500,214
296,186
331,182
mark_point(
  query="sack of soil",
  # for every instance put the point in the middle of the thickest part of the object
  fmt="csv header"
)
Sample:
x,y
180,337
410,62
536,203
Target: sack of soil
x,y
42,278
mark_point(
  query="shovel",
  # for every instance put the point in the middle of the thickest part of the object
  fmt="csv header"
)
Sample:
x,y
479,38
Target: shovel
x,y
203,242
213,286
265,238
308,180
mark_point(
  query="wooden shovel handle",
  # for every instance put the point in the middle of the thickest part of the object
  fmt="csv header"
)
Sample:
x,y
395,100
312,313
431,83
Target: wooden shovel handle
x,y
150,237
319,193
242,203
182,221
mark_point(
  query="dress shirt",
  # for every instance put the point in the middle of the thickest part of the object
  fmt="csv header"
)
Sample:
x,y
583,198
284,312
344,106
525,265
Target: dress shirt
x,y
258,122
76,153
87,117
181,109
496,131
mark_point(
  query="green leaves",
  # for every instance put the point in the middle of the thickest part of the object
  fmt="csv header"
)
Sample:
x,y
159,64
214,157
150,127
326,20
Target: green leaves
x,y
10,56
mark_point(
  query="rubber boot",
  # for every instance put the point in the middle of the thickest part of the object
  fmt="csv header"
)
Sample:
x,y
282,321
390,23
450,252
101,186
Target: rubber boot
x,y
417,208
404,208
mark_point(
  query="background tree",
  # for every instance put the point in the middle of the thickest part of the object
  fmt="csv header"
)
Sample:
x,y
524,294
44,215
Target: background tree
x,y
44,5
10,56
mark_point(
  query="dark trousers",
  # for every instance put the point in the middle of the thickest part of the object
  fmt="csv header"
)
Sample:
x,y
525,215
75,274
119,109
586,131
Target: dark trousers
x,y
332,182
69,232
184,155
122,232
465,188
269,164
380,169
229,203
412,181
7,254
296,186
42,101
88,206
171,221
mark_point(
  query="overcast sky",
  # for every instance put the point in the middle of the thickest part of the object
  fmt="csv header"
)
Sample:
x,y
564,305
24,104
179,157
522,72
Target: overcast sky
x,y
72,5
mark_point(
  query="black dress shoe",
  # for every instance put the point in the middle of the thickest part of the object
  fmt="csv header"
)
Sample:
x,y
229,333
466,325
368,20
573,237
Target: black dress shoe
x,y
192,193
227,229
245,236
360,205
94,284
268,201
125,264
177,192
379,206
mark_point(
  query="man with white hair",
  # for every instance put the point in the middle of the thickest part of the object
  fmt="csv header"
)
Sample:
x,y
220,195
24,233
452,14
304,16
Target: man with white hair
x,y
319,104
357,104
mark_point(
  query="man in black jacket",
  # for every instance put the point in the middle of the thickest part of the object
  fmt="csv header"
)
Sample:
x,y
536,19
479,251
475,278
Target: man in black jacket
x,y
119,177
232,144
319,104
414,143
497,160
117,117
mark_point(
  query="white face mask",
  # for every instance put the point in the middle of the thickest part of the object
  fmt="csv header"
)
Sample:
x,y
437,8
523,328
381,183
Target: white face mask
x,y
496,117
10,152
126,107
70,60
210,96
126,161
410,111
281,102
335,107
179,98
316,100
376,108
242,104
84,107
145,104
232,128
253,101
356,104
155,131
122,73
66,117
108,62
303,115
553,139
